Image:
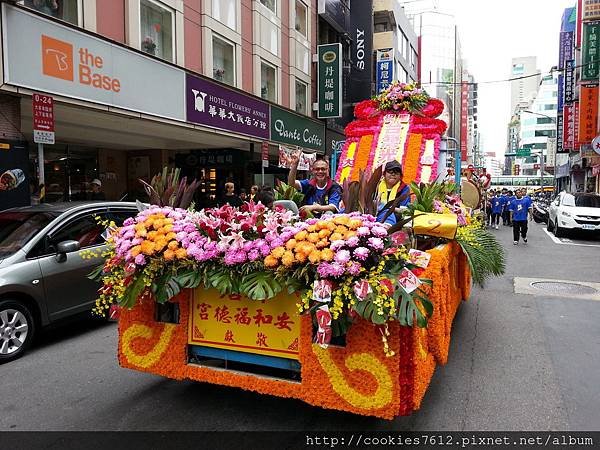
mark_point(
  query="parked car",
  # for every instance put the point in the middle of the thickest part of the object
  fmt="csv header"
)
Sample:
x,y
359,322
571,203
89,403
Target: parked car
x,y
539,210
574,212
43,277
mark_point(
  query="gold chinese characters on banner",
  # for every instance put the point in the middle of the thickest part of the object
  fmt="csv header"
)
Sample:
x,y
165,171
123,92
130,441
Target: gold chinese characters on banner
x,y
234,322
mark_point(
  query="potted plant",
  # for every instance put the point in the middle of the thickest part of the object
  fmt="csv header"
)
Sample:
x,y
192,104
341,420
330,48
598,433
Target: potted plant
x,y
148,45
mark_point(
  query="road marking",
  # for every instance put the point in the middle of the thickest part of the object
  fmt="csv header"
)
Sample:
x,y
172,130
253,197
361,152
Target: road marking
x,y
566,241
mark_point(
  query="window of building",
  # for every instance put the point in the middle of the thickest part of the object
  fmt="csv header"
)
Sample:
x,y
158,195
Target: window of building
x,y
547,133
301,103
549,107
381,27
223,61
67,10
268,82
156,29
270,4
301,18
225,12
544,120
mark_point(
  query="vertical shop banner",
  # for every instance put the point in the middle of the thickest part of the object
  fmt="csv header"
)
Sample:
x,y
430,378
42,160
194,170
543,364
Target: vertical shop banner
x,y
579,29
560,134
43,118
385,69
361,49
568,128
588,113
464,119
569,94
566,48
590,10
561,93
590,69
576,143
329,82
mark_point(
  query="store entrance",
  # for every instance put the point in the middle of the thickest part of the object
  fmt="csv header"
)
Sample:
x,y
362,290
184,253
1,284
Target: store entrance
x,y
69,171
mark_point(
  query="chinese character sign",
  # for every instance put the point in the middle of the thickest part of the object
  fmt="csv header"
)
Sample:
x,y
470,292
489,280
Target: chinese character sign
x,y
385,68
464,119
590,69
588,114
560,135
233,322
569,78
330,80
568,128
43,118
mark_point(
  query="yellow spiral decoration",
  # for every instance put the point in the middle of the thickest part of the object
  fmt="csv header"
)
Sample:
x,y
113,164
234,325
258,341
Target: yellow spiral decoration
x,y
145,332
358,361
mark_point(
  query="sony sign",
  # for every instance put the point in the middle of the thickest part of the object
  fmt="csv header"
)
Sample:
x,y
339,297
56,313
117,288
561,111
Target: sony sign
x,y
361,16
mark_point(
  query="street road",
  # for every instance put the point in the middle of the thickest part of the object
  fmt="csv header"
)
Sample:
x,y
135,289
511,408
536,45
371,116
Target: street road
x,y
517,362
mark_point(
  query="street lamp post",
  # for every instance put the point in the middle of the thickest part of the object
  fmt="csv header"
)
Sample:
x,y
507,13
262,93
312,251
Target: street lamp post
x,y
541,154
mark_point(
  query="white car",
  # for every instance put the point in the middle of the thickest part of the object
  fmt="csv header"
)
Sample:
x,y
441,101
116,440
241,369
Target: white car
x,y
574,212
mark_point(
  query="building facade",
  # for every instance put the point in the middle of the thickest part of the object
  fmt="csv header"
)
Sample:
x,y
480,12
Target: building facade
x,y
394,33
140,84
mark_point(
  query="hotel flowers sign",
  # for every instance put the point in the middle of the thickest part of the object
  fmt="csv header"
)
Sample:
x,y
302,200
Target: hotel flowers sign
x,y
216,106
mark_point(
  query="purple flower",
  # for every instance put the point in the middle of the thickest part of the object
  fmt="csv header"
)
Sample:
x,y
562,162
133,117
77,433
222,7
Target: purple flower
x,y
375,243
140,260
337,245
253,255
363,231
352,242
342,257
361,253
353,268
379,231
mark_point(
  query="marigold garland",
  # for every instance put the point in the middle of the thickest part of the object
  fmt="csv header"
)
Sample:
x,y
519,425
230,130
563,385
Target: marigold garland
x,y
411,158
362,156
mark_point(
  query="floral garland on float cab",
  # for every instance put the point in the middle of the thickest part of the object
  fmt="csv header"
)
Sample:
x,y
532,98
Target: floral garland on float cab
x,y
398,97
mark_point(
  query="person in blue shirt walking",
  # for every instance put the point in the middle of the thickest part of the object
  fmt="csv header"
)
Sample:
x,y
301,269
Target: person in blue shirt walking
x,y
520,211
504,204
496,204
509,199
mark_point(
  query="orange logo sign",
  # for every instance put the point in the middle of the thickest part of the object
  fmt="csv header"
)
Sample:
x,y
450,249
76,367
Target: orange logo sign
x,y
57,58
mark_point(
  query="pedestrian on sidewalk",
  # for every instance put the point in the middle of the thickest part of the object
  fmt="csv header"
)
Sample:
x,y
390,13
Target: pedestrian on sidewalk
x,y
504,204
496,203
520,211
509,199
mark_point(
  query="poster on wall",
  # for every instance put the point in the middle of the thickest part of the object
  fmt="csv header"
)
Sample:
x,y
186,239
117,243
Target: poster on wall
x,y
306,159
14,175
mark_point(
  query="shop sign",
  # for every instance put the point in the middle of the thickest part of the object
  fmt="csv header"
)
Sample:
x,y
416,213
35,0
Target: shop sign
x,y
560,134
590,10
569,81
464,121
590,52
43,118
576,143
42,55
234,322
213,105
588,113
385,69
329,84
293,129
596,144
565,50
568,128
334,142
361,49
561,93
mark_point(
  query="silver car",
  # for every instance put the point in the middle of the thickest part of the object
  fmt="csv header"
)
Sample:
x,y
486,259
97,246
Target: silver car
x,y
43,278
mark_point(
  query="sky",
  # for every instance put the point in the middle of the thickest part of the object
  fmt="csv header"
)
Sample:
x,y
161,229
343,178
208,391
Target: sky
x,y
491,34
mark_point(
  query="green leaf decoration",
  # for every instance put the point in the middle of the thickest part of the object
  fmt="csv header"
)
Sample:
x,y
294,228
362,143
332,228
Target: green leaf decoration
x,y
96,274
485,255
133,292
260,286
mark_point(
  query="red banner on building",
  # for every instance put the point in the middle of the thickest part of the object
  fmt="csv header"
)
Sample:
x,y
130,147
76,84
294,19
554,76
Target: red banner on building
x,y
568,127
576,143
588,113
464,121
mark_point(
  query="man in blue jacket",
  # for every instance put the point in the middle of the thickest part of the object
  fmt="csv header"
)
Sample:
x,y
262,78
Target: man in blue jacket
x,y
520,209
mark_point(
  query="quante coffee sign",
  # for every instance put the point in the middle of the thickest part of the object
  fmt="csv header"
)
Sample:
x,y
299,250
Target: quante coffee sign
x,y
289,128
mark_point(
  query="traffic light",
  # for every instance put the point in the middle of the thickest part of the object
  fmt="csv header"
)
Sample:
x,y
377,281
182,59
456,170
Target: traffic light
x,y
516,169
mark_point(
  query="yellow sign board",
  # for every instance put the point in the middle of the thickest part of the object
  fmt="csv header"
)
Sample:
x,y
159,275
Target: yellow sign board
x,y
234,322
4,146
439,225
